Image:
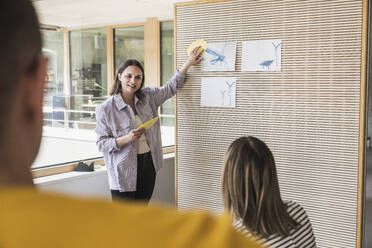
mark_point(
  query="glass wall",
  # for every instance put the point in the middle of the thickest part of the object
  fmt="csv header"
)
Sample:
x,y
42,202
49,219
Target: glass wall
x,y
53,48
129,44
167,70
367,218
69,106
88,76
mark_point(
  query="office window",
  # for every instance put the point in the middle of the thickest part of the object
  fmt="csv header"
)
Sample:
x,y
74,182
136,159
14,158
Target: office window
x,y
53,48
70,104
88,77
128,44
167,70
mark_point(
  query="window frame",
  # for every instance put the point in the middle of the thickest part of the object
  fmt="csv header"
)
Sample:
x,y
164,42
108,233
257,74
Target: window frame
x,y
148,25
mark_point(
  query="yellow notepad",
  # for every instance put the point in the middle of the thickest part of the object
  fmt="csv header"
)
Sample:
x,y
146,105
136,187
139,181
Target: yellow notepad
x,y
149,123
202,43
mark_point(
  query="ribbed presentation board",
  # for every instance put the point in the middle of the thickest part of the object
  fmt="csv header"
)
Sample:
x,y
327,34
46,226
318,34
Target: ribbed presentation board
x,y
307,113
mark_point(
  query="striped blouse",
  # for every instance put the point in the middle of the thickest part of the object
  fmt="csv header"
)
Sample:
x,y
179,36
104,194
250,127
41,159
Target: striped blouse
x,y
115,118
301,237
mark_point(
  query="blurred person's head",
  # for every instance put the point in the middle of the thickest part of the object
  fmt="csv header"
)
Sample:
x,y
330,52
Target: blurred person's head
x,y
22,70
251,189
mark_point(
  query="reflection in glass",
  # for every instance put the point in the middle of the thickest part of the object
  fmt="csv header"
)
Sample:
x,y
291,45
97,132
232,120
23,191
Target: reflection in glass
x,y
53,48
129,44
167,70
88,77
367,211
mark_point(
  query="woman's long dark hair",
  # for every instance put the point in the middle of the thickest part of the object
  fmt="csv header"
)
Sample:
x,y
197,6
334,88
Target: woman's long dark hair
x,y
117,85
251,190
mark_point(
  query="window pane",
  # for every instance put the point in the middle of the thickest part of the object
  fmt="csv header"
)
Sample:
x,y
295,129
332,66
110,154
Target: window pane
x,y
53,48
88,77
129,44
61,145
167,71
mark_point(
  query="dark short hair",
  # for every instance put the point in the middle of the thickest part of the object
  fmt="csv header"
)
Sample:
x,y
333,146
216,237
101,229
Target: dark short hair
x,y
251,190
20,48
117,85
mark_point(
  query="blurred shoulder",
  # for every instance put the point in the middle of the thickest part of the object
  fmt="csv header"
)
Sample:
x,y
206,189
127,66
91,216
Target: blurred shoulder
x,y
91,221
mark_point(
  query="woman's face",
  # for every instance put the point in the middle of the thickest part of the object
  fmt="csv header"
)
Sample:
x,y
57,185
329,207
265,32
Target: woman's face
x,y
131,79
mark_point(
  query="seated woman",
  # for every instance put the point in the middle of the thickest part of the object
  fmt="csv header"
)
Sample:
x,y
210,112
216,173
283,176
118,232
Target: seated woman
x,y
251,193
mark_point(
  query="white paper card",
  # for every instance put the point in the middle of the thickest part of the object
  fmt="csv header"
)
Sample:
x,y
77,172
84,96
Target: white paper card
x,y
261,55
219,56
218,92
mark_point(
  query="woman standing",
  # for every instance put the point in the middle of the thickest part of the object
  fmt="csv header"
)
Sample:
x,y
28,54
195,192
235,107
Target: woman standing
x,y
134,155
251,193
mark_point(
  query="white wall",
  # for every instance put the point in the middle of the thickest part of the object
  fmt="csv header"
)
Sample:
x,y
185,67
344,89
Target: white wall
x,y
95,184
81,184
60,145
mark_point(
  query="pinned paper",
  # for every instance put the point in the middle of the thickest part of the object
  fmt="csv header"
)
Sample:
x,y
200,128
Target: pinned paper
x,y
261,55
149,123
218,92
202,43
219,56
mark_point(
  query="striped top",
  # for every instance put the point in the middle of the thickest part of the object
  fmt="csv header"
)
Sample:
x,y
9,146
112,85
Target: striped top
x,y
301,237
115,118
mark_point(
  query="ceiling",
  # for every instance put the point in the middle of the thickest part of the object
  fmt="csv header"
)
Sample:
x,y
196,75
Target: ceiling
x,y
90,13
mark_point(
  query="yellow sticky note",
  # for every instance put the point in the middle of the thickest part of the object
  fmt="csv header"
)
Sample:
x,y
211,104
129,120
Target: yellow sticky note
x,y
149,123
202,43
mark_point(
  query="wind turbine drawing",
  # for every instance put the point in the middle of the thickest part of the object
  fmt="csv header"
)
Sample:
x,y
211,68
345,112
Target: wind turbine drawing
x,y
218,92
230,85
267,63
276,52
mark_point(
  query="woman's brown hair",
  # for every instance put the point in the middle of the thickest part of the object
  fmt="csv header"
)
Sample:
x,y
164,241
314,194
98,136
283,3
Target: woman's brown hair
x,y
251,190
117,85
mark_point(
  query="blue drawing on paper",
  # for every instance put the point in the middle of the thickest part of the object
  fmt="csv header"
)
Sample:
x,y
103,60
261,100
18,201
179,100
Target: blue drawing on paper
x,y
261,55
267,63
219,56
218,92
